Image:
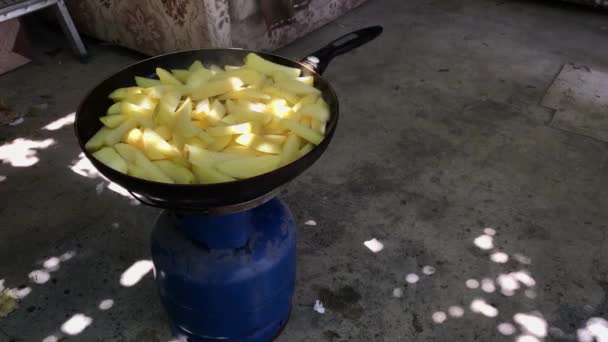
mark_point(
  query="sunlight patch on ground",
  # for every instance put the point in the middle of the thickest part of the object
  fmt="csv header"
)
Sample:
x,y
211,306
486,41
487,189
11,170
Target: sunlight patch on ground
x,y
472,283
487,285
439,317
76,324
106,304
506,329
499,257
374,245
136,272
85,168
482,307
412,278
60,123
22,152
456,311
39,276
485,242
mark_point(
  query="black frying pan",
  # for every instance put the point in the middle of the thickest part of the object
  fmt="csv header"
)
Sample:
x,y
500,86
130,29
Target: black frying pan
x,y
223,197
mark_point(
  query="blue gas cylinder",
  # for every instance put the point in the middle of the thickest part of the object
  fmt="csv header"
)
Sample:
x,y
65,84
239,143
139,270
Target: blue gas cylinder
x,y
228,277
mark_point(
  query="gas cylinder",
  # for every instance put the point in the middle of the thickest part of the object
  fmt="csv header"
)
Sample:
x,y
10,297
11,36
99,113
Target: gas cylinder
x,y
226,277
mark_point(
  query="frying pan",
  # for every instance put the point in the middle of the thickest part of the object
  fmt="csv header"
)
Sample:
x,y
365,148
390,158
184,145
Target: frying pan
x,y
223,197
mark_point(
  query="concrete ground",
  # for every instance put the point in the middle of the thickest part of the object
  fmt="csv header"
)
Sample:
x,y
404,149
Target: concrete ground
x,y
442,150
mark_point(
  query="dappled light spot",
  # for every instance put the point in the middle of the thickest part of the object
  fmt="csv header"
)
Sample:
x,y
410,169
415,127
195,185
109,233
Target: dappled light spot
x,y
522,259
489,231
22,152
584,335
531,324
20,293
487,285
67,255
106,304
61,122
524,278
52,263
412,278
480,306
39,276
484,242
397,292
598,327
428,270
499,257
439,317
2,285
456,311
556,332
374,245
76,324
83,167
506,329
508,284
50,338
472,283
2,178
526,338
136,272
530,293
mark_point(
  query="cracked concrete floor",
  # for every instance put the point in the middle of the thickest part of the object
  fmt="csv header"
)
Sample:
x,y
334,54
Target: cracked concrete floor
x,y
441,136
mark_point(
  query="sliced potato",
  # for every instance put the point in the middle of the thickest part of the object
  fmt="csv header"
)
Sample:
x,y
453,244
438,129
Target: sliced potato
x,y
296,87
157,148
122,93
217,112
115,135
256,62
167,106
248,166
246,94
197,65
245,75
97,140
164,132
219,143
207,174
243,128
305,149
215,88
201,156
201,109
183,121
198,78
113,121
181,74
177,173
290,149
259,143
282,94
166,77
135,138
114,109
108,156
304,132
146,82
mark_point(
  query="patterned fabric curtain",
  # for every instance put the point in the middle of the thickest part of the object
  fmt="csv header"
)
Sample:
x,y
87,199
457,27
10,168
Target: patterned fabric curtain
x,y
278,13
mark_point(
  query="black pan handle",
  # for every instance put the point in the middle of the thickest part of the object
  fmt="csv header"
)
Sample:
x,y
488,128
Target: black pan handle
x,y
319,60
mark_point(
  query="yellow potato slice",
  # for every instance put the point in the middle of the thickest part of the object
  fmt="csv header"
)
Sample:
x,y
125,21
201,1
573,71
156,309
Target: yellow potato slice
x,y
127,152
296,87
165,114
164,132
177,173
305,149
135,138
198,78
308,99
231,67
248,166
215,88
156,92
308,80
113,121
183,120
242,128
137,158
246,94
207,174
246,76
219,143
316,111
201,109
137,172
201,156
108,156
245,114
145,82
304,132
258,63
115,135
318,126
122,93
217,112
181,74
259,143
166,77
281,94
114,109
143,115
290,149
157,148
197,65
239,149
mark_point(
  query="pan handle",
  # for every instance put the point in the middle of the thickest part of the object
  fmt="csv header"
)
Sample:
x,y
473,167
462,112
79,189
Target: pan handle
x,y
319,60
